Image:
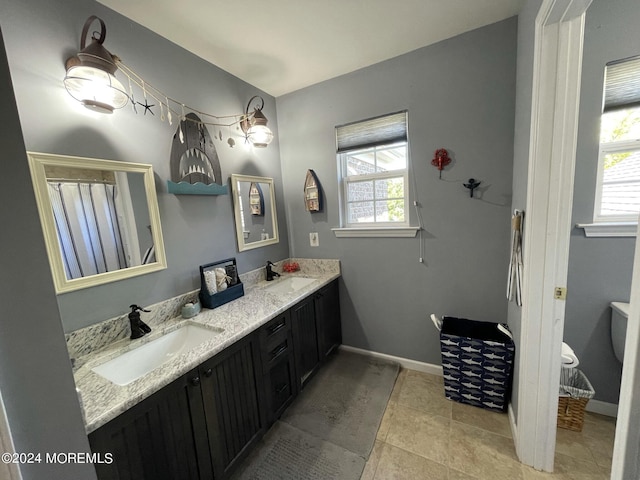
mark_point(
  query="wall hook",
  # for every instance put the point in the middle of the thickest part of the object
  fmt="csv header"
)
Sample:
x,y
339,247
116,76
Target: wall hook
x,y
471,184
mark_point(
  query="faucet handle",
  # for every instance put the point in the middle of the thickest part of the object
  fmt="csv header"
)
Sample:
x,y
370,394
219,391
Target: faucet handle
x,y
135,308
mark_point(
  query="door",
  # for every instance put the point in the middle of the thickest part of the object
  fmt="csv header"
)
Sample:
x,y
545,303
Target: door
x,y
305,338
231,386
552,144
163,437
327,307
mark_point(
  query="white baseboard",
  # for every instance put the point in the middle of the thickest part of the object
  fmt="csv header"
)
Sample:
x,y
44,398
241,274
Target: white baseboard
x,y
595,406
603,408
404,362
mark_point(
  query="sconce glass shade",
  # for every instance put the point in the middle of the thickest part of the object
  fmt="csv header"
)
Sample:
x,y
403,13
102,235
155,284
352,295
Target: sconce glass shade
x,y
255,128
260,136
96,89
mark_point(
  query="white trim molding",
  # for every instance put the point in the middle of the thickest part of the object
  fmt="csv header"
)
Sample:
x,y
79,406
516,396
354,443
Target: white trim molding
x,y
8,470
369,232
559,33
609,229
603,408
404,362
626,449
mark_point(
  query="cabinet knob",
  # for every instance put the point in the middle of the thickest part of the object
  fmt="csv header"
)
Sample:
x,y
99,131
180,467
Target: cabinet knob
x,y
195,381
208,372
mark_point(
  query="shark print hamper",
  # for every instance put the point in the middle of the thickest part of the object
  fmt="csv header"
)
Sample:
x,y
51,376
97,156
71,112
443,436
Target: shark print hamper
x,y
477,362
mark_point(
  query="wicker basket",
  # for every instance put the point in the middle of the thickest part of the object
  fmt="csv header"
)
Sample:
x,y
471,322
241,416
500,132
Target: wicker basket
x,y
575,393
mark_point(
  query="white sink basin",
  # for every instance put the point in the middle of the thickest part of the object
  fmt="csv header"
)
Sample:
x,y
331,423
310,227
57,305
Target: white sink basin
x,y
289,284
133,364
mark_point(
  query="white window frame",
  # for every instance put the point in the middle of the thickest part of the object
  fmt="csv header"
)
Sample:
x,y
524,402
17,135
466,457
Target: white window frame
x,y
621,84
607,149
346,180
374,134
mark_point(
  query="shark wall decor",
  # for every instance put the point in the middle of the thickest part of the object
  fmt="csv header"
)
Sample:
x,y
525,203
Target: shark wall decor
x,y
194,163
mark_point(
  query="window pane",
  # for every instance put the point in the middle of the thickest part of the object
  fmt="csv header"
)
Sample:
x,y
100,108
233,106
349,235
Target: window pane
x,y
359,191
361,212
390,211
390,188
621,184
361,163
394,158
620,125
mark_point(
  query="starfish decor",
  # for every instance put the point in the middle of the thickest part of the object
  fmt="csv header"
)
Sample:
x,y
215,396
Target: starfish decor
x,y
147,107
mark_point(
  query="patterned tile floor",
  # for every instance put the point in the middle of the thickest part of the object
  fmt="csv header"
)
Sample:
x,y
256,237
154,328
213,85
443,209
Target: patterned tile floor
x,y
425,436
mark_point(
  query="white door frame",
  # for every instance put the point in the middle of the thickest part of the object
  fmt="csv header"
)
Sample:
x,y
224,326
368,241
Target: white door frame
x,y
626,451
8,470
559,33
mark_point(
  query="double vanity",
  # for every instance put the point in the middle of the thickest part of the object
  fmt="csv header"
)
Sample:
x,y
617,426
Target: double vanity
x,y
191,398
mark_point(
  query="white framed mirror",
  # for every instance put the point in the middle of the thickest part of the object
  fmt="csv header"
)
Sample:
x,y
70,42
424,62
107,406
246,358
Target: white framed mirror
x,y
254,203
99,218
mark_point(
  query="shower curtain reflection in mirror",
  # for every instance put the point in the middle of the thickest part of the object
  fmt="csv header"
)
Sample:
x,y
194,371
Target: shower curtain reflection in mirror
x,y
86,217
95,227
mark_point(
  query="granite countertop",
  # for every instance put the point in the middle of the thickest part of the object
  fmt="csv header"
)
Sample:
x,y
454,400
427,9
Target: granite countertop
x,y
103,400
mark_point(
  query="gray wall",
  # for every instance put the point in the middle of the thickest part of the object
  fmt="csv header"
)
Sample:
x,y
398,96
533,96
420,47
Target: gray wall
x,y
39,36
35,373
599,268
524,87
460,95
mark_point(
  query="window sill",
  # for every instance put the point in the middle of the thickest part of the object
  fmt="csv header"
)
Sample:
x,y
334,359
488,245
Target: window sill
x,y
370,232
612,229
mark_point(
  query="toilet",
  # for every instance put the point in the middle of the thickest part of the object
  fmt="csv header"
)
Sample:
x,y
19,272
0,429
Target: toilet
x,y
619,315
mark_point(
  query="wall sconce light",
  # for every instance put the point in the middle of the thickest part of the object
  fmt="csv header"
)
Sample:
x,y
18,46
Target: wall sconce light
x,y
91,80
90,74
254,125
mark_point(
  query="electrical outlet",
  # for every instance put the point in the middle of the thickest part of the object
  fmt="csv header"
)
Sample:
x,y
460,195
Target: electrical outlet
x,y
314,241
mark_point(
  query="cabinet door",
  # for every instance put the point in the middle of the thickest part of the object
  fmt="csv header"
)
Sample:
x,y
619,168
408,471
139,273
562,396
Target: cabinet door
x,y
280,378
305,339
327,305
163,437
231,386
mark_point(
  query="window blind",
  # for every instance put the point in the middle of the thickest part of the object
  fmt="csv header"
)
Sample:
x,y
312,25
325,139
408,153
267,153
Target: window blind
x,y
622,84
376,131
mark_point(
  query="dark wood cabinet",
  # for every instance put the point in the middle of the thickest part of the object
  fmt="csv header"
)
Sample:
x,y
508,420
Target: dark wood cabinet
x,y
329,327
163,437
278,362
203,424
198,427
231,392
317,330
305,337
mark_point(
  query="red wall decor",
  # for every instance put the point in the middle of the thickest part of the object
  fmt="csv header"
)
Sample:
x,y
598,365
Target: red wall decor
x,y
440,160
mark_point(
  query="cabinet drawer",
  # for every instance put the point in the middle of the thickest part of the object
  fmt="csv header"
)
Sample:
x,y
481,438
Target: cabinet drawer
x,y
281,387
276,350
276,328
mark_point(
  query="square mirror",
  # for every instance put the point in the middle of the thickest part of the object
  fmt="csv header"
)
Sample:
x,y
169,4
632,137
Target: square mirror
x,y
100,219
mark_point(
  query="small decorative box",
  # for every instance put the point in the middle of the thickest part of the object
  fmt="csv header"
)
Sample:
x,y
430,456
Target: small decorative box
x,y
220,283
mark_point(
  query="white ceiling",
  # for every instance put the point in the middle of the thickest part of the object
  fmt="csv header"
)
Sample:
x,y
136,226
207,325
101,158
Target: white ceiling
x,y
283,45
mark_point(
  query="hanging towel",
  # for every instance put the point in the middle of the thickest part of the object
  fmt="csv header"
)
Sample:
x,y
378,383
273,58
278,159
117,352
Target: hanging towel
x,y
514,282
569,359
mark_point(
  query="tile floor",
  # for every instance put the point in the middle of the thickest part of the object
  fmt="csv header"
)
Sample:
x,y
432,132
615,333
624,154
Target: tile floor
x,y
425,436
